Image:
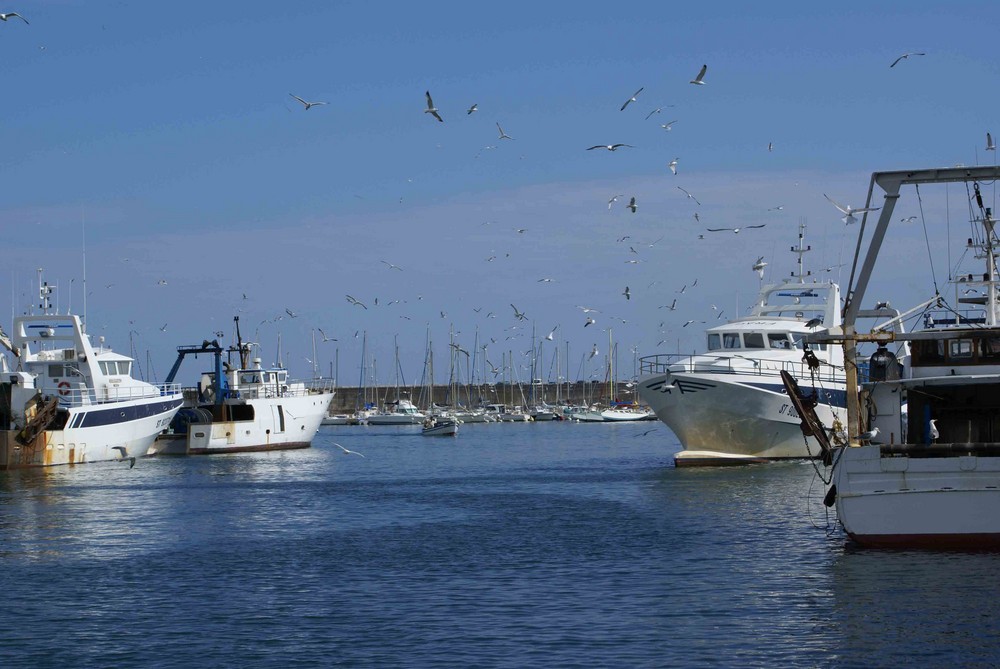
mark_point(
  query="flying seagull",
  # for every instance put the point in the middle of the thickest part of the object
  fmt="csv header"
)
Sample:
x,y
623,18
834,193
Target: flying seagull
x,y
907,219
689,195
590,321
472,109
593,352
552,334
609,147
121,449
587,310
667,126
814,322
849,211
431,109
699,80
323,335
672,306
291,314
759,266
990,146
9,15
307,104
356,302
347,452
673,165
627,293
735,230
656,111
391,266
503,135
631,99
519,315
614,199
632,205
906,55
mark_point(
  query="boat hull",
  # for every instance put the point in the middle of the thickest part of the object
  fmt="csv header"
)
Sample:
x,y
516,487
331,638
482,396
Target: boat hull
x,y
729,418
444,429
918,502
132,426
278,423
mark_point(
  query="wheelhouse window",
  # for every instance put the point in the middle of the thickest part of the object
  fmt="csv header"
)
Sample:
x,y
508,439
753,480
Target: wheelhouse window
x,y
730,340
714,342
753,340
960,349
778,340
990,349
58,371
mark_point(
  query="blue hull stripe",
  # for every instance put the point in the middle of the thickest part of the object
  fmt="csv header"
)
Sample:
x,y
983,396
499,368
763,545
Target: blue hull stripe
x,y
125,414
833,397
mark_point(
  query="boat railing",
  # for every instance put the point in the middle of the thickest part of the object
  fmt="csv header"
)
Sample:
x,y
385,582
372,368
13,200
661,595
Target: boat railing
x,y
75,397
738,364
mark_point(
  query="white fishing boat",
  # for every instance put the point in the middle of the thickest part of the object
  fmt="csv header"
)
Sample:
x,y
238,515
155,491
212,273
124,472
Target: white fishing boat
x,y
727,405
624,413
241,406
921,463
435,426
68,401
337,419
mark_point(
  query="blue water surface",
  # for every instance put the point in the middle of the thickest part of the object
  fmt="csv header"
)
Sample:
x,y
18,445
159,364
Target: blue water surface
x,y
512,545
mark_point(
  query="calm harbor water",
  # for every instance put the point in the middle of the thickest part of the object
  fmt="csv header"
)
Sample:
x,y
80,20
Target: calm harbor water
x,y
548,545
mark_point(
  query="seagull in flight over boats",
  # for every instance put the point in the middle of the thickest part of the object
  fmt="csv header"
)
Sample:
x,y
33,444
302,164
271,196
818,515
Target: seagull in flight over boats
x,y
291,314
990,146
668,126
503,135
770,147
590,321
849,211
323,335
627,293
519,315
356,302
643,434
699,80
759,266
346,451
552,334
10,15
673,165
545,280
908,219
473,108
632,205
814,322
631,99
610,147
163,328
687,324
307,104
431,109
905,56
587,310
692,197
390,265
593,353
614,199
672,306
735,230
780,208
124,455
621,239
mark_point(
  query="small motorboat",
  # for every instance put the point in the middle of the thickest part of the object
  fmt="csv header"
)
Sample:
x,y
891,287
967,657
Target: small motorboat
x,y
443,427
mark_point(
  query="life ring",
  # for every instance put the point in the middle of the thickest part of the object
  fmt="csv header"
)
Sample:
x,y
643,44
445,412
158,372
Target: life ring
x,y
64,388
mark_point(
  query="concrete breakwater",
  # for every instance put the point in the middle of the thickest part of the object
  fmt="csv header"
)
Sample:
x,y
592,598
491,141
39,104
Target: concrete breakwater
x,y
347,399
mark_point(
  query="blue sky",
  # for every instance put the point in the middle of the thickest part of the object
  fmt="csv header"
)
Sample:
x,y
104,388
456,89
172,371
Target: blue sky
x,y
170,137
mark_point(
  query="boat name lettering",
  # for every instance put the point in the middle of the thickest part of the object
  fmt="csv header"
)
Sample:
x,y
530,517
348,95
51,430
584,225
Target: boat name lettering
x,y
788,410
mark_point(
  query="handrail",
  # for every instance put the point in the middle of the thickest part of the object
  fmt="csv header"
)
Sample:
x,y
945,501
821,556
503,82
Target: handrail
x,y
75,397
736,364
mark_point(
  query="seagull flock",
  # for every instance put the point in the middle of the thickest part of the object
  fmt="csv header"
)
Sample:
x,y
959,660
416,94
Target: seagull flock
x,y
519,316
